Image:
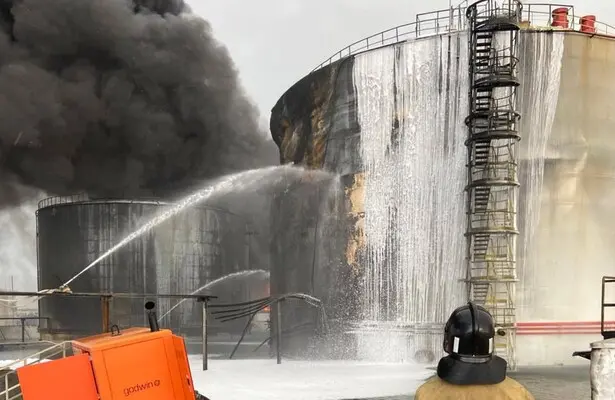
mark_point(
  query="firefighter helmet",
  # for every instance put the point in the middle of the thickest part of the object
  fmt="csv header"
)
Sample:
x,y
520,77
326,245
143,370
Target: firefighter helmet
x,y
469,341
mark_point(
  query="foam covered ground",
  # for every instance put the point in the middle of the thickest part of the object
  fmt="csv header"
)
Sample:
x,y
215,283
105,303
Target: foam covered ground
x,y
301,380
13,364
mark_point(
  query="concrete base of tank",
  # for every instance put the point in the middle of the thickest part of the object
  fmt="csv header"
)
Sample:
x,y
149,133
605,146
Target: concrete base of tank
x,y
348,341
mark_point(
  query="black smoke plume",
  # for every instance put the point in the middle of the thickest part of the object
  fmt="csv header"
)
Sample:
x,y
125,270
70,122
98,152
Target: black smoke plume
x,y
117,98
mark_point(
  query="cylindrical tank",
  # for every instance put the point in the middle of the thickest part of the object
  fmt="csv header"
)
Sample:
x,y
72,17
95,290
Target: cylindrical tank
x,y
373,272
179,256
416,93
304,263
310,242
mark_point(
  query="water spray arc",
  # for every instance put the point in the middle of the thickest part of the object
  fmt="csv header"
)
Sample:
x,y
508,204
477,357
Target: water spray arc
x,y
493,184
230,312
214,283
254,179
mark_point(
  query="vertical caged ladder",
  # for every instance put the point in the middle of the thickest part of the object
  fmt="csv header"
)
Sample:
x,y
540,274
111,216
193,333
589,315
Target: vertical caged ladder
x,y
492,186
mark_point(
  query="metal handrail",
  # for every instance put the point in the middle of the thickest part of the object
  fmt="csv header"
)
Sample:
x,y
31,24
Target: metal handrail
x,y
32,343
489,9
36,358
55,200
55,349
439,22
450,21
85,198
23,324
251,308
604,304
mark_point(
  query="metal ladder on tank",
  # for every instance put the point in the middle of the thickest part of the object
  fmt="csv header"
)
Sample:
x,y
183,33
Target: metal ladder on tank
x,y
492,164
9,384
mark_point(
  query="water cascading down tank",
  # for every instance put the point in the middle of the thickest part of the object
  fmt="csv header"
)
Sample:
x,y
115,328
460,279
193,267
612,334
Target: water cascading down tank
x,y
391,121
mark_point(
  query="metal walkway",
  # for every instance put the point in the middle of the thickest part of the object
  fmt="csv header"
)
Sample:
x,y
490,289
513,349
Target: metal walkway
x,y
492,164
450,20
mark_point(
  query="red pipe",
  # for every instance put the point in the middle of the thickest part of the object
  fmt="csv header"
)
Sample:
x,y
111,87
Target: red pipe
x,y
588,24
560,17
571,328
563,328
558,333
563,323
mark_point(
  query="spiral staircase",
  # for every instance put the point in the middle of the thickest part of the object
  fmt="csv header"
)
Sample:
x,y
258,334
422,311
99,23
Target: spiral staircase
x,y
492,187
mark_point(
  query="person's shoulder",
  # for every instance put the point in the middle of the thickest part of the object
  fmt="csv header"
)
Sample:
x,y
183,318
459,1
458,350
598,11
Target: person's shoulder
x,y
431,381
511,382
428,385
512,385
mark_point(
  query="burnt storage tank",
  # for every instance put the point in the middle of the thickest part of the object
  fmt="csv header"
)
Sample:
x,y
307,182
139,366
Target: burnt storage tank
x,y
314,125
307,243
389,115
179,256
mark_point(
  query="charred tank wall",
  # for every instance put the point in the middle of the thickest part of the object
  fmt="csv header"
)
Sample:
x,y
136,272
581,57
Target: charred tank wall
x,y
315,124
376,103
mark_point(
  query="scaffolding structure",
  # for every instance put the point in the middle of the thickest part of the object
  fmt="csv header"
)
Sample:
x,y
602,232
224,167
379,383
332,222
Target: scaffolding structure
x,y
493,184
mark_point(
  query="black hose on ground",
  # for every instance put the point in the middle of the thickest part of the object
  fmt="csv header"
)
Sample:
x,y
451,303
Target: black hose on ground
x,y
245,303
198,396
223,315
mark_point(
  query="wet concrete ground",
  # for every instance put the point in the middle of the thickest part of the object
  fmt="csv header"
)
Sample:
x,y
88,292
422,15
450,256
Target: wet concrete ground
x,y
545,383
550,383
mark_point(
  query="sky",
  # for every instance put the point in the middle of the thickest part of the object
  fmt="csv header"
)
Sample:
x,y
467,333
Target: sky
x,y
276,42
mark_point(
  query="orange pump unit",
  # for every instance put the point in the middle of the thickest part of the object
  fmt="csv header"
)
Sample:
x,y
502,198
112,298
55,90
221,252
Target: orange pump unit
x,y
136,364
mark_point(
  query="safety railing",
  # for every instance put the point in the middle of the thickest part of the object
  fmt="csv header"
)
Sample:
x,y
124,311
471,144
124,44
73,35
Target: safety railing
x,y
128,199
230,312
606,334
53,201
10,389
533,16
84,197
425,24
538,15
499,62
491,9
22,323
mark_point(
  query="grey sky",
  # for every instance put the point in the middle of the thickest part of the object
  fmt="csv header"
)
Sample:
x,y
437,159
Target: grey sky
x,y
276,42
